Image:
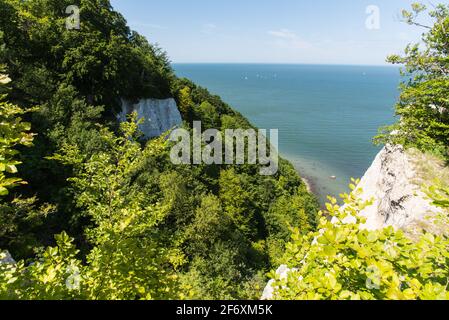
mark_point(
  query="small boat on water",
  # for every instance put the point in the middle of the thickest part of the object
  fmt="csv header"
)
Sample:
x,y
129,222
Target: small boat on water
x,y
333,177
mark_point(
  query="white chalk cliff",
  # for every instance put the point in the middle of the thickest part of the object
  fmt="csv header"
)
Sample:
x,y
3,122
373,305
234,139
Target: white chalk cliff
x,y
159,115
395,185
398,199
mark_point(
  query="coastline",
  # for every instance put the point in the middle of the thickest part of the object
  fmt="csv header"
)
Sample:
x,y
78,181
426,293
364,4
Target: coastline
x,y
306,142
312,188
309,184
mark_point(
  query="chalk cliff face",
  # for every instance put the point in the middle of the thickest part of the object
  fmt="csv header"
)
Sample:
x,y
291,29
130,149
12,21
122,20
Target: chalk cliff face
x,y
159,115
398,199
395,185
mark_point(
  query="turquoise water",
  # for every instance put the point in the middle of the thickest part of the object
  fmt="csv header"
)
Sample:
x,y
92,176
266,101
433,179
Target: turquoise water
x,y
326,115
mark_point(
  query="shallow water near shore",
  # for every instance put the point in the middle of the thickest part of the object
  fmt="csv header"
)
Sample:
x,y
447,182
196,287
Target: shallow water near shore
x,y
326,115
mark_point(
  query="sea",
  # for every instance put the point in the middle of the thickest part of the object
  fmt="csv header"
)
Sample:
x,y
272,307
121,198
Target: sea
x,y
327,115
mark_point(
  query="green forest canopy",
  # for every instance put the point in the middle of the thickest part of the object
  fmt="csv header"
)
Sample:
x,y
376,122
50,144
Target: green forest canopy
x,y
128,223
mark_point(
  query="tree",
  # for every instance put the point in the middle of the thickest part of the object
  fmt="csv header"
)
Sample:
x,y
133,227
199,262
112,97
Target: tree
x,y
345,261
236,200
423,107
287,212
209,116
18,216
185,102
130,224
56,274
128,259
209,226
13,132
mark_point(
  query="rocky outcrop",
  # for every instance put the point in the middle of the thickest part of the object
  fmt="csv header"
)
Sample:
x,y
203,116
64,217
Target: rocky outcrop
x,y
394,183
159,115
398,200
6,258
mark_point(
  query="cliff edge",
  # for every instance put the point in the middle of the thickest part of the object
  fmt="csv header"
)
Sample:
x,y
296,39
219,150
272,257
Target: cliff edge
x,y
395,182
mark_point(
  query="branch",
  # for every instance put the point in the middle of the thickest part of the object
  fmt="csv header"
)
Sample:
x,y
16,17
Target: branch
x,y
413,23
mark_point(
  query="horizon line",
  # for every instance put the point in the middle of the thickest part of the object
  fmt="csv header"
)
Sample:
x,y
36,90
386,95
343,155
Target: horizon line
x,y
294,63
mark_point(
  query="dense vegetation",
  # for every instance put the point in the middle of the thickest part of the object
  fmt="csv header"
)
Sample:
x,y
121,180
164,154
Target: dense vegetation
x,y
423,105
94,212
103,214
344,261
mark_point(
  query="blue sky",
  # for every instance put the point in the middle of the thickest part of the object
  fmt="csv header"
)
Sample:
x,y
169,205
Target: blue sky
x,y
271,31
